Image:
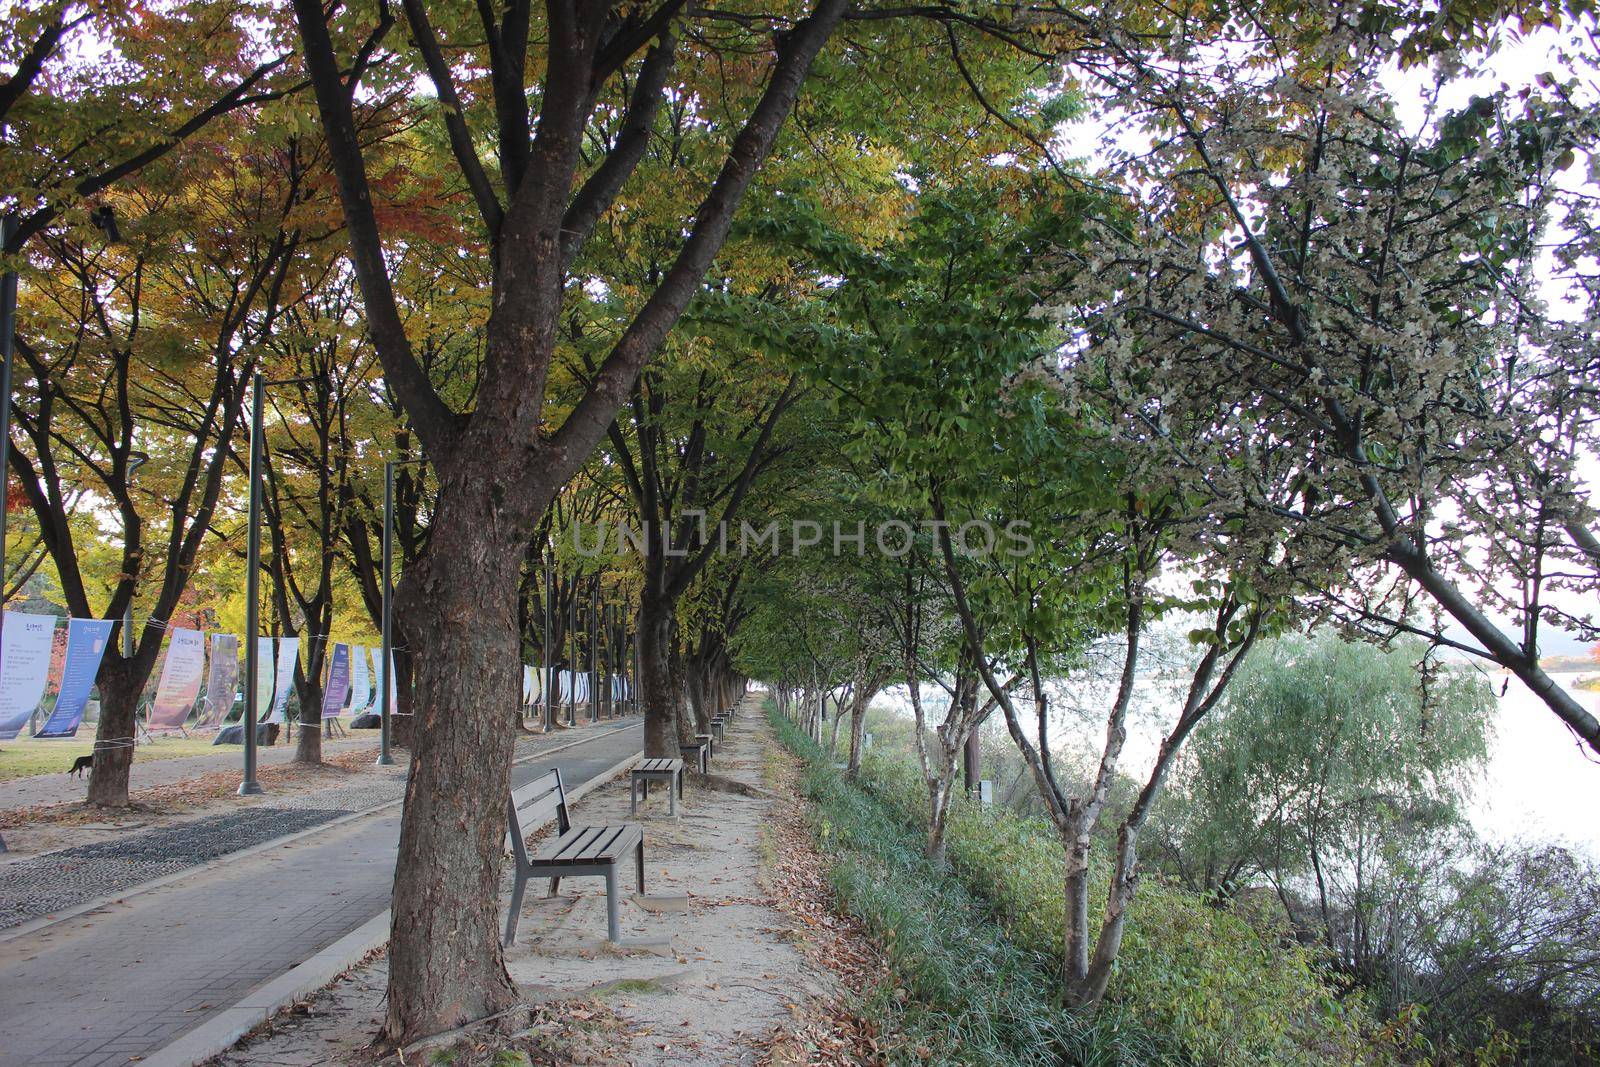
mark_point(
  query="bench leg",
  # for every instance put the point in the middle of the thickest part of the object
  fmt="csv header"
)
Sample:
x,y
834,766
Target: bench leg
x,y
613,926
672,800
680,784
641,866
633,796
555,883
515,915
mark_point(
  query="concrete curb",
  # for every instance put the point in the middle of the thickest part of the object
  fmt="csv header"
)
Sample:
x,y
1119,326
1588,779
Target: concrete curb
x,y
45,921
223,1030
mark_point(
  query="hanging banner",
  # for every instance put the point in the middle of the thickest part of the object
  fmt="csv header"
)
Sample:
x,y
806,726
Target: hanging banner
x,y
527,685
179,686
86,646
392,687
264,674
222,683
288,656
360,680
382,687
377,681
338,686
24,668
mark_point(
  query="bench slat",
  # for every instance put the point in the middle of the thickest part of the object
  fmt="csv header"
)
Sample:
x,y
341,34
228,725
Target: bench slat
x,y
591,844
569,844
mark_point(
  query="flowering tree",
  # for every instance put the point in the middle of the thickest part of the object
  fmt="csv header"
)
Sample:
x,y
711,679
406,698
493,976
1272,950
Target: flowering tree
x,y
1392,322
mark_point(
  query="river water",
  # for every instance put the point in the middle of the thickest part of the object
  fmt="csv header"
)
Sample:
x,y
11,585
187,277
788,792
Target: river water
x,y
1538,784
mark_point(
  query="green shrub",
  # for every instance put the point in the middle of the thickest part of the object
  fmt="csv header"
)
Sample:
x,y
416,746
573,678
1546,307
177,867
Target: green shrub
x,y
1228,992
971,995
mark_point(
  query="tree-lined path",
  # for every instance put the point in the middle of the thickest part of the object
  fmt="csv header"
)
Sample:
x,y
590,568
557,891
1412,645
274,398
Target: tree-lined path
x,y
128,979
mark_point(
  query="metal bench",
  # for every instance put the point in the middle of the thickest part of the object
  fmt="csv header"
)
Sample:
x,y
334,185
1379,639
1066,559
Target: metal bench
x,y
711,745
698,755
667,770
717,725
575,852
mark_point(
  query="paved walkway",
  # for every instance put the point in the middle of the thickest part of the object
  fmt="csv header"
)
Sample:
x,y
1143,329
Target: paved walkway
x,y
63,788
122,981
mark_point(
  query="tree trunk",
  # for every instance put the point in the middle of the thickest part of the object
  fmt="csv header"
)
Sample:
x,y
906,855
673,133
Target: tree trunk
x,y
655,681
308,686
403,721
941,789
120,687
1075,891
858,723
938,811
679,686
695,676
308,746
445,963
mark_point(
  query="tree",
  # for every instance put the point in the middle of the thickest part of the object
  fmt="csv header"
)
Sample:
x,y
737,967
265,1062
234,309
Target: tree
x,y
141,355
1325,287
308,459
500,465
1320,749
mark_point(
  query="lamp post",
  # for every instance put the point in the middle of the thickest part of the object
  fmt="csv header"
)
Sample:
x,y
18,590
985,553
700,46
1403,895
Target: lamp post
x,y
594,649
8,322
547,658
252,611
572,657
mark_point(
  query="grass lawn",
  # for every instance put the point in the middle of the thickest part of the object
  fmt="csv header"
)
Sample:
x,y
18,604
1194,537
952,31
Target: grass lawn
x,y
25,756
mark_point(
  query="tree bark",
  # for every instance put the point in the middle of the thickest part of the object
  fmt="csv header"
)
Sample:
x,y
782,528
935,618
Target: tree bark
x,y
655,681
462,608
114,734
308,745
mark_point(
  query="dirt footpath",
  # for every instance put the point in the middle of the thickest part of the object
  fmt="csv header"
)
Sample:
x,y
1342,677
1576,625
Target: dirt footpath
x,y
708,968
716,965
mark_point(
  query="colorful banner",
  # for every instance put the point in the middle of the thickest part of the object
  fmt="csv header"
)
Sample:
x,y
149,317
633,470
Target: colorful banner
x,y
264,675
222,684
24,668
288,656
377,680
360,680
338,687
179,686
86,646
385,686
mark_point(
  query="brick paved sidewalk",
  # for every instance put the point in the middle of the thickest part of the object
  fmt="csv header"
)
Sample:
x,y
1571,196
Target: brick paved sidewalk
x,y
127,979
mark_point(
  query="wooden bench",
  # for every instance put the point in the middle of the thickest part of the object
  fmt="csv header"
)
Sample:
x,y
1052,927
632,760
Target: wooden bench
x,y
717,725
698,755
667,770
575,851
710,743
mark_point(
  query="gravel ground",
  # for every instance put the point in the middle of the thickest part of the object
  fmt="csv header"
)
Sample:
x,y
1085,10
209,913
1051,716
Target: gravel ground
x,y
60,880
379,788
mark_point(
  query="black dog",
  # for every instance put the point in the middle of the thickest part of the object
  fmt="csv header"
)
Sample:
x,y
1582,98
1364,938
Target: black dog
x,y
81,764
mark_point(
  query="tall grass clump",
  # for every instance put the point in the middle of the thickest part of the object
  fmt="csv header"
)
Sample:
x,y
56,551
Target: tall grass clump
x,y
972,995
1225,990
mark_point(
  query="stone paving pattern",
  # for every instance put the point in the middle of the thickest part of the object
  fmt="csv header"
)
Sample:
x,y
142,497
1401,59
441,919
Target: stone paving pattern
x,y
123,981
59,880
